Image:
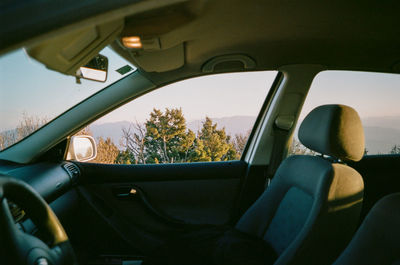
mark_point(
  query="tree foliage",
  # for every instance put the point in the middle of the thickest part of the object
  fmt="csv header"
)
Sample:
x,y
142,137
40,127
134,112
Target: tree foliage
x,y
167,140
213,144
107,151
395,149
163,138
297,148
27,125
240,141
133,139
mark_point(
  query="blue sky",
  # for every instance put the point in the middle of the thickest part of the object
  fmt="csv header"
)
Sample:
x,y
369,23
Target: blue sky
x,y
27,86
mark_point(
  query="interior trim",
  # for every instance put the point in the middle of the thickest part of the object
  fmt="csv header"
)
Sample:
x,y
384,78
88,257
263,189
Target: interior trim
x,y
288,101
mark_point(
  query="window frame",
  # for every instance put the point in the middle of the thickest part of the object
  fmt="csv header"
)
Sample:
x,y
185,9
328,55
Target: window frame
x,y
259,116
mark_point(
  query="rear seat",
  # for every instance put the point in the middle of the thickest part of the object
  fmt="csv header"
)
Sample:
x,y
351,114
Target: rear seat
x,y
377,241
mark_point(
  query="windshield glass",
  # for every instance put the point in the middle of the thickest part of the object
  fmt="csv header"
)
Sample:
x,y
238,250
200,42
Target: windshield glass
x,y
31,95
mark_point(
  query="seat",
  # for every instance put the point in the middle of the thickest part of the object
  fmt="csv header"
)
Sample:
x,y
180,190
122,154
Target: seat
x,y
377,241
307,215
311,209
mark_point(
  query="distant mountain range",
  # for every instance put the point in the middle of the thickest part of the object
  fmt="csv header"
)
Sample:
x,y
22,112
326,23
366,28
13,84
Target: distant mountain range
x,y
233,125
381,133
392,122
380,139
110,129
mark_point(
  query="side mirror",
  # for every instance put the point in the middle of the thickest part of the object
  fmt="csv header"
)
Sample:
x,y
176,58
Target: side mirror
x,y
82,148
95,70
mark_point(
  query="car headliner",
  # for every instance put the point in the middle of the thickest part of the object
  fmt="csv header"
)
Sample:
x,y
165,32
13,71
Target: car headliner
x,y
337,34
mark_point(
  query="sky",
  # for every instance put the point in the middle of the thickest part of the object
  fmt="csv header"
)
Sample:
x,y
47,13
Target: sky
x,y
27,86
217,96
371,94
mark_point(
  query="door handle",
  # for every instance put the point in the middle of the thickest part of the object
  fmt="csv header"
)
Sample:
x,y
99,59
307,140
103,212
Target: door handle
x,y
125,193
134,192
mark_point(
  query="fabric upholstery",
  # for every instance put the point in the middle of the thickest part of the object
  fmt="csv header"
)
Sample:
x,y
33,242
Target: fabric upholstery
x,y
295,205
212,245
309,212
311,209
334,130
377,241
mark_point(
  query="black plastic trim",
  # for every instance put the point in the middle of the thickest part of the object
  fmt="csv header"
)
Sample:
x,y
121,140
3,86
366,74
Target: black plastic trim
x,y
50,180
105,173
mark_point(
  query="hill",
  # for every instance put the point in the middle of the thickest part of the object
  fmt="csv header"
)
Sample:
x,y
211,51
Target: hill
x,y
233,125
381,134
111,129
380,140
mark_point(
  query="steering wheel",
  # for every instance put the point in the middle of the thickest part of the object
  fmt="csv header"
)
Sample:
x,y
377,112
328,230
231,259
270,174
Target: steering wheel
x,y
24,249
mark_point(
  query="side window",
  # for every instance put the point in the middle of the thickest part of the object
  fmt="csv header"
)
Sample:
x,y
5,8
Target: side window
x,y
373,95
195,120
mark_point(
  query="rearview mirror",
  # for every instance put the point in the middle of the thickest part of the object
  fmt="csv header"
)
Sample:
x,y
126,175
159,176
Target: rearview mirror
x,y
82,148
95,70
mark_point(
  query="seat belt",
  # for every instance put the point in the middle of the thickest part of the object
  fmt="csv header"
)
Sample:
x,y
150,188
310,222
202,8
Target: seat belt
x,y
282,126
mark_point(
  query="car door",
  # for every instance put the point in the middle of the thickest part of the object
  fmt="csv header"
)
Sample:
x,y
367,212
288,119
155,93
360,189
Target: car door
x,y
132,201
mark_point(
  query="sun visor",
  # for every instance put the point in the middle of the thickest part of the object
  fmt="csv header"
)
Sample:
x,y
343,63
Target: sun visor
x,y
68,52
160,60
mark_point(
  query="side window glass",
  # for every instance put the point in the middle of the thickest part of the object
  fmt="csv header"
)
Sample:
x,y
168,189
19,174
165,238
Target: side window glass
x,y
373,95
202,119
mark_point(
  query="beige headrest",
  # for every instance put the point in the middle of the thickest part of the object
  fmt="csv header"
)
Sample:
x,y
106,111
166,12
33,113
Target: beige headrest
x,y
334,130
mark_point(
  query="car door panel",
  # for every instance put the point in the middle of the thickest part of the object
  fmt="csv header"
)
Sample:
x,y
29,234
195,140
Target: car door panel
x,y
194,201
175,194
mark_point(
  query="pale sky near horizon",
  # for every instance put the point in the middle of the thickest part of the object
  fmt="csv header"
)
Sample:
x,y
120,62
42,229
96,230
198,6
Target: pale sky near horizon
x,y
371,94
217,96
27,86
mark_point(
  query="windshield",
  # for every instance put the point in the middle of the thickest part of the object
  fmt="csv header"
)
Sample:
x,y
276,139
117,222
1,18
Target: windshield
x,y
31,95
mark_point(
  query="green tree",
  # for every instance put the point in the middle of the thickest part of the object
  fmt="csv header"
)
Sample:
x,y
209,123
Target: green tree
x,y
199,153
297,148
167,139
239,142
395,149
126,157
26,126
85,131
133,139
366,151
213,144
107,151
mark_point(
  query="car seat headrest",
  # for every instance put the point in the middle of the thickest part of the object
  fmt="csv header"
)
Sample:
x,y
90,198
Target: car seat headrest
x,y
334,130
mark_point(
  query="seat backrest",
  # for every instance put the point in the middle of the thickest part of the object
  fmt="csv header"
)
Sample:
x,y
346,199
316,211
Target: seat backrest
x,y
312,206
377,241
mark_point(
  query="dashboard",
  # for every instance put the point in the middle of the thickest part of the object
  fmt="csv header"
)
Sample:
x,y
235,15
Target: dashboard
x,y
53,181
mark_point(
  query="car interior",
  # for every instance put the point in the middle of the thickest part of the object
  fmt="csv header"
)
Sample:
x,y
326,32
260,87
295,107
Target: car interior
x,y
334,204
